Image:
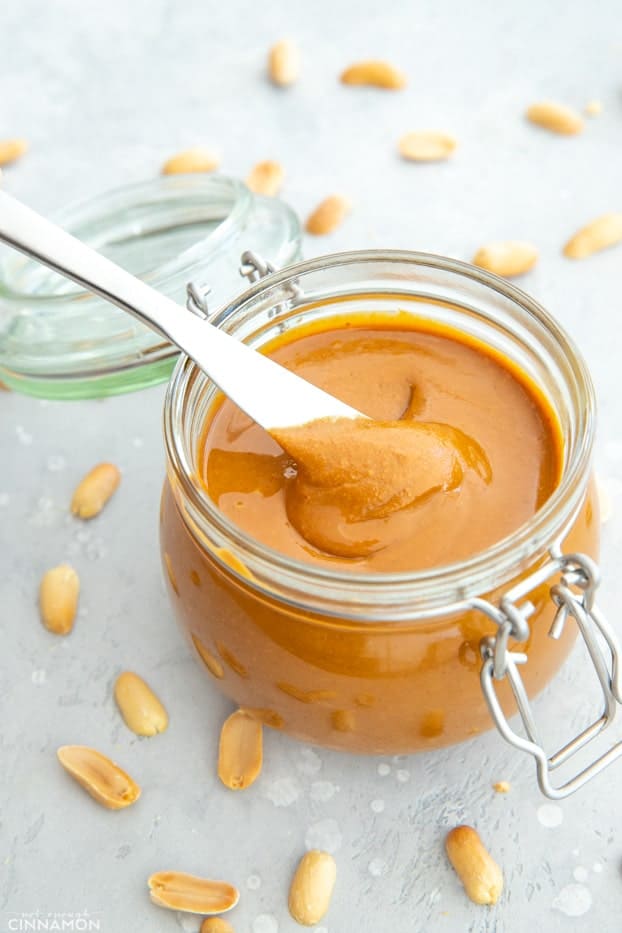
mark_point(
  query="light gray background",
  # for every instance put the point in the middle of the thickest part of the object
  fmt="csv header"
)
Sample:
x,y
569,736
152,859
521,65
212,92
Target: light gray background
x,y
105,92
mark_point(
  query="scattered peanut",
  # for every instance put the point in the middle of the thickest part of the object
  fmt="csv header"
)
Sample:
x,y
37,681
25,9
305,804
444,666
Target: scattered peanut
x,y
502,787
601,233
312,887
266,178
216,925
141,709
374,74
99,776
427,146
594,108
328,215
197,159
93,492
240,753
479,873
555,117
284,63
11,150
190,894
508,258
58,598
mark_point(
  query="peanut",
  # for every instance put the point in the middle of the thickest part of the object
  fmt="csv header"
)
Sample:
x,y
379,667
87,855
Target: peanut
x,y
594,108
99,776
266,178
601,233
508,258
427,146
555,117
93,492
284,63
141,709
312,887
190,894
502,787
197,159
58,598
374,74
216,925
11,150
328,215
240,752
479,873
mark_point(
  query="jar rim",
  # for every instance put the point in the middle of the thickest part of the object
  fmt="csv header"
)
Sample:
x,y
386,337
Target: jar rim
x,y
437,589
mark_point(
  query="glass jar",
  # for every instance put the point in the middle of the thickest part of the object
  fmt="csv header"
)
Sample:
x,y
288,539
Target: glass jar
x,y
396,662
59,341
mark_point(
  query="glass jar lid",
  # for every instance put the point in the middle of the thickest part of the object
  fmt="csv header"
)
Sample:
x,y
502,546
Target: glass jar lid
x,y
59,341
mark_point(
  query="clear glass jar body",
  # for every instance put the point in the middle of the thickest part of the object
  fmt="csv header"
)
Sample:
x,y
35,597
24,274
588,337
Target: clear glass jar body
x,y
377,663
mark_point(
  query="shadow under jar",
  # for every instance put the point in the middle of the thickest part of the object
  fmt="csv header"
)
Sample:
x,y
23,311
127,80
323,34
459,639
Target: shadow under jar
x,y
384,662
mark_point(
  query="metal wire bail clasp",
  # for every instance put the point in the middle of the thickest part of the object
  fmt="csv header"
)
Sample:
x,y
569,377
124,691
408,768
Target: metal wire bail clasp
x,y
574,597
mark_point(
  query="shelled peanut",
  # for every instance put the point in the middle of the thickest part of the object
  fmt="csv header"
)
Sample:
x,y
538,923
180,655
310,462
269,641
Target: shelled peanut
x,y
141,709
479,873
95,489
58,598
104,780
312,887
180,891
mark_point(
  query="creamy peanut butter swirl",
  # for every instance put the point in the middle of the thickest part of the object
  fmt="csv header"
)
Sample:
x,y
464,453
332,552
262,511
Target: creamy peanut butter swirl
x,y
350,474
459,450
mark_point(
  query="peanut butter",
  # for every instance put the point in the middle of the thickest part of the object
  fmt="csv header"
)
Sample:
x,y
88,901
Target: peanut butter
x,y
457,453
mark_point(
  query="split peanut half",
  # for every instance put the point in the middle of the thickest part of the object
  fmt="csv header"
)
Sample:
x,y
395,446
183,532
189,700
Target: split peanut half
x,y
374,74
104,780
266,178
427,146
240,753
312,887
176,890
58,598
594,108
11,150
556,118
94,491
508,258
284,63
196,159
141,709
479,873
601,233
328,215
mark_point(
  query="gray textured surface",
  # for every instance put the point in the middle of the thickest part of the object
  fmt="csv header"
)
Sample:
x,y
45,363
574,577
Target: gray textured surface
x,y
104,92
